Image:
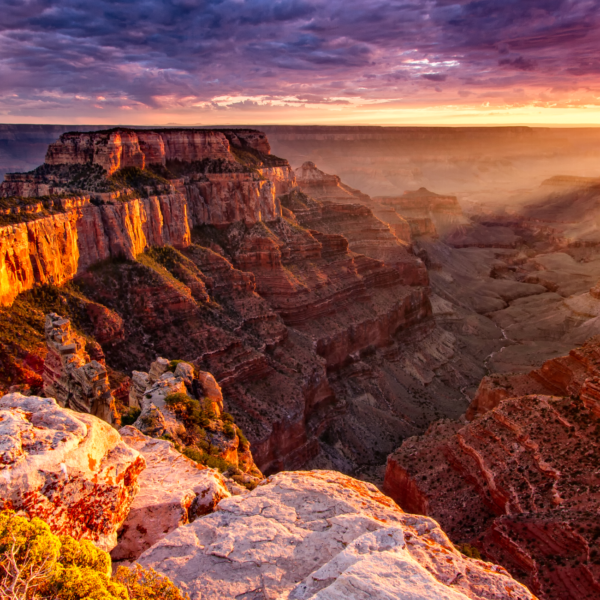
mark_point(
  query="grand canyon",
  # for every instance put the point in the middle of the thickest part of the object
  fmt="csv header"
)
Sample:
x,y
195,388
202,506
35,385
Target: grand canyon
x,y
393,371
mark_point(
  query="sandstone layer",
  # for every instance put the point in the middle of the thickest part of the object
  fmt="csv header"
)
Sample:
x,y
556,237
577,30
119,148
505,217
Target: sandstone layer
x,y
319,534
70,469
525,488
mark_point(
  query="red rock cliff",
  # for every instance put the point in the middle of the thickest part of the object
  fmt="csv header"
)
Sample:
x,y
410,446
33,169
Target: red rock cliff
x,y
52,248
119,148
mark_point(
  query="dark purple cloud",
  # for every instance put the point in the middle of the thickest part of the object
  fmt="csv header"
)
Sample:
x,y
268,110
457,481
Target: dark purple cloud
x,y
58,55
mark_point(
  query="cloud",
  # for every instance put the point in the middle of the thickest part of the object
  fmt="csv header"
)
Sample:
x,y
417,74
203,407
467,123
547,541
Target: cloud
x,y
519,63
434,76
184,54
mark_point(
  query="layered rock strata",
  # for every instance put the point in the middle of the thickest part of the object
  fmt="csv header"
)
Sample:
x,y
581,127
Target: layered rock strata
x,y
219,191
319,534
173,491
70,469
321,186
525,488
308,315
71,376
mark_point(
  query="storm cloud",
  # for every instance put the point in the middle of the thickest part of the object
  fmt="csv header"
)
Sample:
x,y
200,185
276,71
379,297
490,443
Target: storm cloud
x,y
82,57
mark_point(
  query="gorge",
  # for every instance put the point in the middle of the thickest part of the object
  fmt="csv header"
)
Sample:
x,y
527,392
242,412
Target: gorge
x,y
450,331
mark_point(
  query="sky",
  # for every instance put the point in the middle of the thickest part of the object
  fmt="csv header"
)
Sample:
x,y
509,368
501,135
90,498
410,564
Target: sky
x,y
201,62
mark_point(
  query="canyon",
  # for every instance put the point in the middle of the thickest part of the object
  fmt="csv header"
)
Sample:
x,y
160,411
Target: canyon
x,y
304,309
441,318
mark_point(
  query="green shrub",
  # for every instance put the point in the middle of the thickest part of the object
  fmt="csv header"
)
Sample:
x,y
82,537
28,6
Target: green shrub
x,y
35,563
469,551
229,430
129,417
173,365
244,443
189,410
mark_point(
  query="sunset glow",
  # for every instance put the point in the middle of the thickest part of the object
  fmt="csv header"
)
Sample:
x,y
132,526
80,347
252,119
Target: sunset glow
x,y
301,61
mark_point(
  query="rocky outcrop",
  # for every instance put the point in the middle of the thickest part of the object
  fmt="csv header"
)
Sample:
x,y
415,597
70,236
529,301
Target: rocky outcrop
x,y
321,186
119,148
319,534
159,415
525,488
70,469
174,491
70,376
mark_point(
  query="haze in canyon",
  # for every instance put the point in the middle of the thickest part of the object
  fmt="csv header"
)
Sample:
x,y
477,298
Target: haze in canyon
x,y
300,300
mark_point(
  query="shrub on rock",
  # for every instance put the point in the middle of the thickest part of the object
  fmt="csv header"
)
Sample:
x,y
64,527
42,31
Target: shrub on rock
x,y
35,563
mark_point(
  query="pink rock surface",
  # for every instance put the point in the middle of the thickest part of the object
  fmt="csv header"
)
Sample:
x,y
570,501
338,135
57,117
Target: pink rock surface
x,y
70,469
320,534
173,491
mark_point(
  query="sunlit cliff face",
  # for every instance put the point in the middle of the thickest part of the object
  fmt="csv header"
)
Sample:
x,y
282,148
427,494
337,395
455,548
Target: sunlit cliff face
x,y
301,61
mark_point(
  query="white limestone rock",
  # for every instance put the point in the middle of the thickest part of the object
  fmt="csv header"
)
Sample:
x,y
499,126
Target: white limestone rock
x,y
321,534
70,469
156,419
140,382
158,368
174,491
185,371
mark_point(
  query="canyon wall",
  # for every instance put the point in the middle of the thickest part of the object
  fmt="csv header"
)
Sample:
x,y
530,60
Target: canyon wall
x,y
119,148
55,243
309,312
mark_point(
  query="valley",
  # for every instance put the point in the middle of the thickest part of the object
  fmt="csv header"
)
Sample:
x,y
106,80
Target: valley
x,y
364,304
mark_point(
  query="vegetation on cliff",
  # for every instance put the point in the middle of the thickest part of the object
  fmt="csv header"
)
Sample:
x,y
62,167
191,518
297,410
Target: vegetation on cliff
x,y
35,564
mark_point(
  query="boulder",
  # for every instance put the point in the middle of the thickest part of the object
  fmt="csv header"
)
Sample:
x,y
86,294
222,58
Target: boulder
x,y
185,371
320,534
173,491
140,381
70,469
158,368
211,391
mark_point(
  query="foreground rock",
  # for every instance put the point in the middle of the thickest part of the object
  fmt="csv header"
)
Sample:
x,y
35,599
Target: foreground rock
x,y
70,469
173,491
320,534
525,488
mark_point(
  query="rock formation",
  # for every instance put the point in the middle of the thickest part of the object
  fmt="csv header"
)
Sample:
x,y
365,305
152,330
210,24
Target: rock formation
x,y
312,315
70,469
174,491
121,222
319,534
524,484
70,376
321,186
